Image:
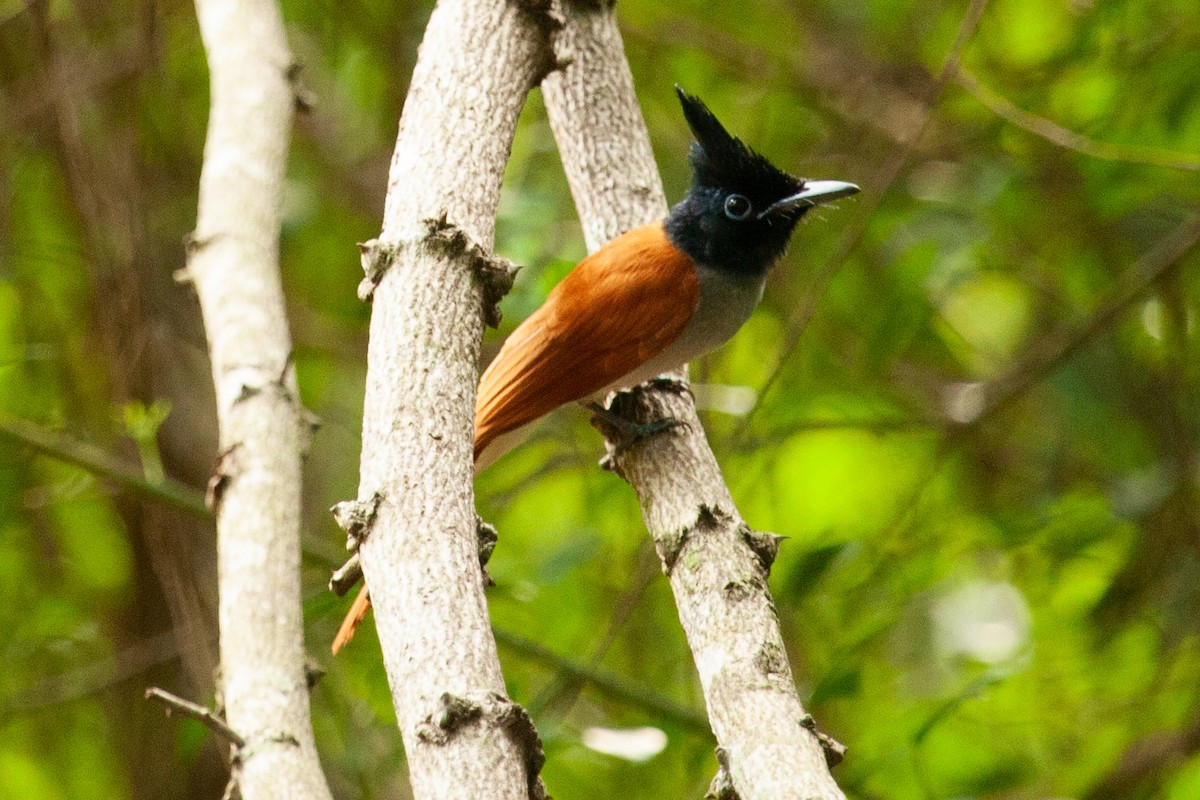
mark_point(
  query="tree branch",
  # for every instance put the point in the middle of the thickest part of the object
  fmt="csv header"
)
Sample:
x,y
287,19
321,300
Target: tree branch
x,y
1057,347
1068,139
432,281
97,461
255,492
205,715
716,565
608,684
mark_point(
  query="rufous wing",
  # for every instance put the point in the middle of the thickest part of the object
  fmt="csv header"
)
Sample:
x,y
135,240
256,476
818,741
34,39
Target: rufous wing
x,y
618,308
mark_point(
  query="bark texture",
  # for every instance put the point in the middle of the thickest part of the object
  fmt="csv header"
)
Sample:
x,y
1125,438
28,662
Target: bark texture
x,y
599,128
433,283
716,565
255,492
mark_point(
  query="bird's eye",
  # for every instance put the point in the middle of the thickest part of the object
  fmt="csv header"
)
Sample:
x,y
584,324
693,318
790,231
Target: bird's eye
x,y
737,207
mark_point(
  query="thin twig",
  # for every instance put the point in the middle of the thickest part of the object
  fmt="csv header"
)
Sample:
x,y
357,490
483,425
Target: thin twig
x,y
346,576
1058,346
564,691
97,461
198,712
1068,139
606,682
868,425
95,676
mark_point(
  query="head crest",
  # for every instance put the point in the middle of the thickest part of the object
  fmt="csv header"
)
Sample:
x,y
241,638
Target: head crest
x,y
724,161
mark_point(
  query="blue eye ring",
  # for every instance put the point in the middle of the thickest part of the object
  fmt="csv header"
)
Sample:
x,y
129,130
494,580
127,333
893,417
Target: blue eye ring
x,y
738,207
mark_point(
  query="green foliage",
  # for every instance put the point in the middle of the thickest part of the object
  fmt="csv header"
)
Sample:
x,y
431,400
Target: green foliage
x,y
991,582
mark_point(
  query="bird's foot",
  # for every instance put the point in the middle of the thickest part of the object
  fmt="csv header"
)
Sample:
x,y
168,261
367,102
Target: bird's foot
x,y
625,433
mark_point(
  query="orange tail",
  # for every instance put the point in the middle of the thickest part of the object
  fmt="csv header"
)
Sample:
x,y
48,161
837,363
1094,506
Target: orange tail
x,y
354,617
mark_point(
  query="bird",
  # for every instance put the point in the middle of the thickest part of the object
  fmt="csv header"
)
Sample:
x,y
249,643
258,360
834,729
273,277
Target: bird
x,y
650,300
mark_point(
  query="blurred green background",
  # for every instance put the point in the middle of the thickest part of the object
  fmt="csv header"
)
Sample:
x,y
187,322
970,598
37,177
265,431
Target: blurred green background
x,y
969,399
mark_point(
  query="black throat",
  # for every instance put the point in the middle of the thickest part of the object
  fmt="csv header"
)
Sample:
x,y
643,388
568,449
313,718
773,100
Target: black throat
x,y
698,226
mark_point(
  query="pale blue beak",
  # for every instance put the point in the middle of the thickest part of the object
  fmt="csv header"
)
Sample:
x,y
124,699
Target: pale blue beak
x,y
814,193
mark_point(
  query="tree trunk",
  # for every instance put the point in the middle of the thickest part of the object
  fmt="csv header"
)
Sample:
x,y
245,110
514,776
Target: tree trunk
x,y
432,283
255,492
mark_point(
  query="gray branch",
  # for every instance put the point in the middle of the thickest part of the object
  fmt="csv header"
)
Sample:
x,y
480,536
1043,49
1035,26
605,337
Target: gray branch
x,y
433,283
716,564
233,261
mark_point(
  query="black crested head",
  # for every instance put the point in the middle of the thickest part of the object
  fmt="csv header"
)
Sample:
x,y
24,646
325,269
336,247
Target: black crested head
x,y
741,209
720,160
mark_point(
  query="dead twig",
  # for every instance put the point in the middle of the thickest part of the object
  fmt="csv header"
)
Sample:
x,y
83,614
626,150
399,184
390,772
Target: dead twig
x,y
202,713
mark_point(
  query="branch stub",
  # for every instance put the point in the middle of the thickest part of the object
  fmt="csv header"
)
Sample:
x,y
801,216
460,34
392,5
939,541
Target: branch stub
x,y
835,751
355,517
487,535
721,787
222,475
765,546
